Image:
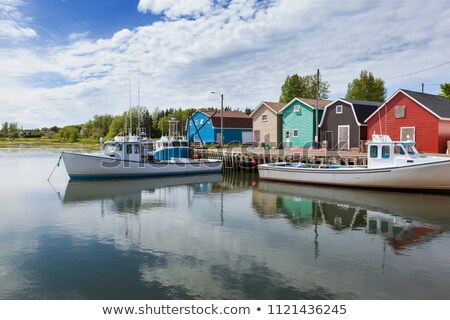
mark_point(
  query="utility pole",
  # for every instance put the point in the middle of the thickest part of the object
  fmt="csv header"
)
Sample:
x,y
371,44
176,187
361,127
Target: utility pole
x,y
221,116
423,85
316,138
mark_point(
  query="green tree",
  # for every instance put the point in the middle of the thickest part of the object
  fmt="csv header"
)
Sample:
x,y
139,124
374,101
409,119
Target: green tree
x,y
180,115
367,87
13,130
117,126
69,133
445,90
296,86
5,128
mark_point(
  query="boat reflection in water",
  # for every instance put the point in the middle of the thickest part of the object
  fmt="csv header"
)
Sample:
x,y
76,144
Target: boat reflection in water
x,y
127,194
402,218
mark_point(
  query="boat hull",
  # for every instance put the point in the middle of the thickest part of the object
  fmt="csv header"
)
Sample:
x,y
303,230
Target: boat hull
x,y
426,176
85,166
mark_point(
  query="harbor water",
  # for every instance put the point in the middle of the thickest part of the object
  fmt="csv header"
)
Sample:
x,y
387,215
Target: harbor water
x,y
227,236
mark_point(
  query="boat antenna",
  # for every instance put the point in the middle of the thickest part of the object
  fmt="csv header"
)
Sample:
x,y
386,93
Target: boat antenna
x,y
139,104
129,89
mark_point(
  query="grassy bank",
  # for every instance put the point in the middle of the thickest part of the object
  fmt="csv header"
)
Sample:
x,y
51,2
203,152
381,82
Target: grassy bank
x,y
39,142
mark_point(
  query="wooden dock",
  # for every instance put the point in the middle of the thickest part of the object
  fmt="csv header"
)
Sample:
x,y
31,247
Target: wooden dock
x,y
249,158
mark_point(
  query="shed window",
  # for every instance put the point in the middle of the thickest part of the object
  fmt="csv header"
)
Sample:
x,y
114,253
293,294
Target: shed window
x,y
385,152
374,151
297,108
202,121
295,134
339,109
400,112
196,122
264,117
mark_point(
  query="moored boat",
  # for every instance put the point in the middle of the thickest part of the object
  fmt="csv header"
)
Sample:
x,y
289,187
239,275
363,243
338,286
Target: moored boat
x,y
390,165
134,156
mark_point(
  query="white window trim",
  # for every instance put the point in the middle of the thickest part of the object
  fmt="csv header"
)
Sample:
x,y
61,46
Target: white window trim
x,y
337,109
264,117
348,138
297,108
401,129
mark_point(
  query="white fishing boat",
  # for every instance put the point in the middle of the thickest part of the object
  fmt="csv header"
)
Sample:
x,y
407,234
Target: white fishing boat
x,y
130,157
390,165
134,156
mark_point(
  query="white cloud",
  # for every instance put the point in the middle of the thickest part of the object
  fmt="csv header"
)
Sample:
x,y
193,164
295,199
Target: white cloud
x,y
13,24
244,50
175,8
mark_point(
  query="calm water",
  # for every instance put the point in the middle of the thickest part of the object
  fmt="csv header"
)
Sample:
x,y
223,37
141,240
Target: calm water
x,y
213,237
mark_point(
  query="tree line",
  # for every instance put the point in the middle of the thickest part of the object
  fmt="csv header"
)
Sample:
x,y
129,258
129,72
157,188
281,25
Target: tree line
x,y
366,87
107,126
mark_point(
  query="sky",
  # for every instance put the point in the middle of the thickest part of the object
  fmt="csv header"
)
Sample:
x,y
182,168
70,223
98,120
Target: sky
x,y
63,61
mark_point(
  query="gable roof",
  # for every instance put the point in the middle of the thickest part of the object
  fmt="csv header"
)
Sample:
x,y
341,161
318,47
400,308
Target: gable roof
x,y
231,119
308,102
437,105
274,106
361,109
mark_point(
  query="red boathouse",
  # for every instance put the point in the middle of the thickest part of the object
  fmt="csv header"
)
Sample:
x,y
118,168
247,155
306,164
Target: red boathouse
x,y
415,116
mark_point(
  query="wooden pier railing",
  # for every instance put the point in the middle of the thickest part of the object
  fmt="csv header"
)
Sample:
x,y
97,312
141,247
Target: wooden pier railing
x,y
249,158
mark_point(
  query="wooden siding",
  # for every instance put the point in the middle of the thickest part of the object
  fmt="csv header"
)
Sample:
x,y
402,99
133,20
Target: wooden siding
x,y
303,121
444,135
206,133
270,127
333,120
426,124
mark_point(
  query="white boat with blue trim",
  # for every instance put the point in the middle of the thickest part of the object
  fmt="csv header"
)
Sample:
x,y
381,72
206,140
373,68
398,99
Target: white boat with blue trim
x,y
390,165
133,156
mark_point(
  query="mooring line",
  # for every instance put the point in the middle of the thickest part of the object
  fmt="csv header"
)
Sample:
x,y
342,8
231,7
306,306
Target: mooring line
x,y
57,165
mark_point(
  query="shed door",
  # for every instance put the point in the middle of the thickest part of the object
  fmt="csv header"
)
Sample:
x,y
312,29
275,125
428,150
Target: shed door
x,y
257,137
408,134
329,138
287,136
344,137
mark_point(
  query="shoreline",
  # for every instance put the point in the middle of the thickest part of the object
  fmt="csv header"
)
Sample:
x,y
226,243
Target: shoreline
x,y
19,143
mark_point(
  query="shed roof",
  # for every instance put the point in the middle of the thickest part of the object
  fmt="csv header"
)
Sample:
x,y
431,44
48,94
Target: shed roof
x,y
437,105
231,119
309,102
363,108
274,106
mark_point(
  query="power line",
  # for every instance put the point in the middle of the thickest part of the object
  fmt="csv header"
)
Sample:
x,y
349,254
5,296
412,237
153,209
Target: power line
x,y
430,68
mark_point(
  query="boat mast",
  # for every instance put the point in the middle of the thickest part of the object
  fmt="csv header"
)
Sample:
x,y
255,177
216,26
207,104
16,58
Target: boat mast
x,y
139,106
129,89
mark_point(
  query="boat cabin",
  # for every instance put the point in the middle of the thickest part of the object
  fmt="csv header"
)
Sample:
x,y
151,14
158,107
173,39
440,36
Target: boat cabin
x,y
383,152
132,148
167,149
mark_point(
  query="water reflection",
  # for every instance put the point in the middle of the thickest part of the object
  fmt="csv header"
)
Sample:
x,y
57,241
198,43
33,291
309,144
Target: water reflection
x,y
126,195
404,219
214,237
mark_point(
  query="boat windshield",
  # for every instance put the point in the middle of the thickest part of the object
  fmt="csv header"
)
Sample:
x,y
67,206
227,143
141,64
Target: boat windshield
x,y
111,147
405,149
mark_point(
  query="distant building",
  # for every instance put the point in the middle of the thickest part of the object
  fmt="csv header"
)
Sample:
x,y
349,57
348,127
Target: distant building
x,y
267,124
205,127
415,116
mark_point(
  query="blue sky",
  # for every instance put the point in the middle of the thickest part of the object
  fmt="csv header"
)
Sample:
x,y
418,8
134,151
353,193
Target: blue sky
x,y
56,20
63,61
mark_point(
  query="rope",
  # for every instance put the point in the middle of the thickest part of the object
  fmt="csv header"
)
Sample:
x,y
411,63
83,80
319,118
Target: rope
x,y
57,165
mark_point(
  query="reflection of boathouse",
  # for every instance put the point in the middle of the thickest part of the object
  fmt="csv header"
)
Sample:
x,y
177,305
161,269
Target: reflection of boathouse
x,y
400,232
